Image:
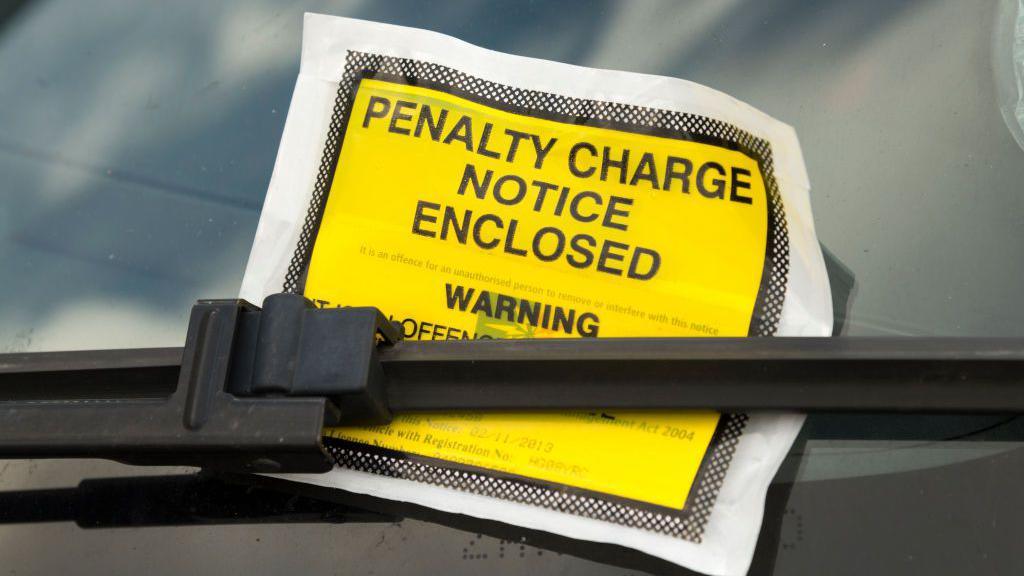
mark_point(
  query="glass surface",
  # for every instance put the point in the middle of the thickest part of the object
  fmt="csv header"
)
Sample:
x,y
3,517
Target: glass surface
x,y
137,140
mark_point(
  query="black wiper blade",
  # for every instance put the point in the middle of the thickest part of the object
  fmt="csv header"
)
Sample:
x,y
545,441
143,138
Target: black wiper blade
x,y
252,389
176,500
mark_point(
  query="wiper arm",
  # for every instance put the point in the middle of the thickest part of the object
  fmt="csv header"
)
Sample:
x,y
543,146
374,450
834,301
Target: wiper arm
x,y
252,389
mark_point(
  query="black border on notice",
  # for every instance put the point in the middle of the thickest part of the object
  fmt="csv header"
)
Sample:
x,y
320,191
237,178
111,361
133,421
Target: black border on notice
x,y
698,478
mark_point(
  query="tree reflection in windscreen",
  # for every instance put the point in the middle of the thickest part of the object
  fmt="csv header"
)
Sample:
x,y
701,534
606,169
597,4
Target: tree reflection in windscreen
x,y
137,140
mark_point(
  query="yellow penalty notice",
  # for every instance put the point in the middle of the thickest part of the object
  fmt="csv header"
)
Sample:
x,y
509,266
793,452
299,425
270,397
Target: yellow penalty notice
x,y
462,218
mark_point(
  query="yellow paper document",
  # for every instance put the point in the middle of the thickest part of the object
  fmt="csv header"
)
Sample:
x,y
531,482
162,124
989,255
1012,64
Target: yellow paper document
x,y
467,219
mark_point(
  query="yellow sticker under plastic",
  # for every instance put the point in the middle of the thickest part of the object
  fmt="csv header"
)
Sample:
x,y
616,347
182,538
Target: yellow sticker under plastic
x,y
639,456
462,219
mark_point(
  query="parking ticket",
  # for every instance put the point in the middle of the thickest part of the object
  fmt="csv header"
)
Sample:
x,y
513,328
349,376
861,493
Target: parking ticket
x,y
474,195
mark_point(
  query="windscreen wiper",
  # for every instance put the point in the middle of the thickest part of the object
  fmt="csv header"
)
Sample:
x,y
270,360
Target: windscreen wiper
x,y
177,500
252,389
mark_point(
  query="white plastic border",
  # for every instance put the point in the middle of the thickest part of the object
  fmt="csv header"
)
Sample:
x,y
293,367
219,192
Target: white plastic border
x,y
731,532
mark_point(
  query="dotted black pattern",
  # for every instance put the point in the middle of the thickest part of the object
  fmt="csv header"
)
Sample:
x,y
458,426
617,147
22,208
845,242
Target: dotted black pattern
x,y
688,525
767,309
